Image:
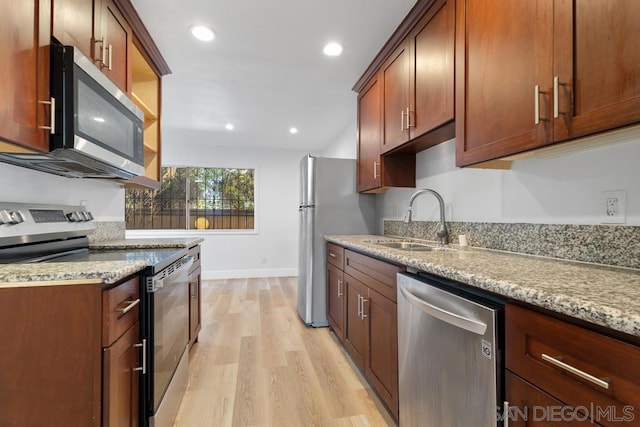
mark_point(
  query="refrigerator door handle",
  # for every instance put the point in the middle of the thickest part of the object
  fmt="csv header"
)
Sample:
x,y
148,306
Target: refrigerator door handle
x,y
444,315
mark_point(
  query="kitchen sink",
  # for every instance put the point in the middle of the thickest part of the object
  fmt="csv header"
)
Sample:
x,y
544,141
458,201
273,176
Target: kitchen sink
x,y
413,246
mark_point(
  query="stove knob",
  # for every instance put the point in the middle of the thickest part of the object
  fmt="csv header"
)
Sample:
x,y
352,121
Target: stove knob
x,y
88,215
16,217
5,217
75,217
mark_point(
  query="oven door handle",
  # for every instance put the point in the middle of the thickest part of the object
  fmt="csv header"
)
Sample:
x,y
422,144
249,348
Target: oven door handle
x,y
159,283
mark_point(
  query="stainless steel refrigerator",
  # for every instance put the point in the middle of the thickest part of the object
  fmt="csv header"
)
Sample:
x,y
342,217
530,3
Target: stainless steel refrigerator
x,y
329,204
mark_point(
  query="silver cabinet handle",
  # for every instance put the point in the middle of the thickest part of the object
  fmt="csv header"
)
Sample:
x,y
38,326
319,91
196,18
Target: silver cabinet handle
x,y
101,58
375,170
451,318
52,116
359,309
363,301
505,415
339,286
409,125
332,255
107,64
143,368
557,361
536,104
130,305
556,107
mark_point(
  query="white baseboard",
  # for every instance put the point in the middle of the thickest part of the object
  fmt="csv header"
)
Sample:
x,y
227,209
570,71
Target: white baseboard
x,y
242,274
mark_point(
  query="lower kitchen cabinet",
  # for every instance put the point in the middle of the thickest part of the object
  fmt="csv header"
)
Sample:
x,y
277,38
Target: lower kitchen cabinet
x,y
357,327
369,313
120,364
195,300
561,373
382,367
70,355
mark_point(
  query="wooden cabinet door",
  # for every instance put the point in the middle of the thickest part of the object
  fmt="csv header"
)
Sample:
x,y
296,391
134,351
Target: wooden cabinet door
x,y
73,24
356,327
336,300
530,406
597,65
50,347
395,98
431,83
369,136
121,380
504,51
117,36
195,304
382,367
24,73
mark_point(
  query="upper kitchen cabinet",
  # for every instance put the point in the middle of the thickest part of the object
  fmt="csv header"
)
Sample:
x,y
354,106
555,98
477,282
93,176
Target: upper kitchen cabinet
x,y
535,73
99,30
73,24
25,110
377,172
418,80
115,43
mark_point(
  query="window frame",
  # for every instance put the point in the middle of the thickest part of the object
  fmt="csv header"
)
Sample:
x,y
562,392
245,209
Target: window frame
x,y
172,233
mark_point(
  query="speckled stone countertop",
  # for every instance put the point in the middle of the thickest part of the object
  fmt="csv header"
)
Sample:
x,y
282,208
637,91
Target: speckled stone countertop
x,y
58,272
108,272
605,296
150,243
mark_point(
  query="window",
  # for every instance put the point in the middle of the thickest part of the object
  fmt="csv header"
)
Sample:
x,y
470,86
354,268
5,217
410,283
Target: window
x,y
194,198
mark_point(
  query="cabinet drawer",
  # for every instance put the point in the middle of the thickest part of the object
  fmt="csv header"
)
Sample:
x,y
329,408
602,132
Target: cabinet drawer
x,y
577,366
378,275
335,255
120,309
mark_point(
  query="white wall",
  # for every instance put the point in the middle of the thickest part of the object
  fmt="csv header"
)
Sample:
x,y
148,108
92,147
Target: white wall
x,y
562,190
345,144
103,198
273,249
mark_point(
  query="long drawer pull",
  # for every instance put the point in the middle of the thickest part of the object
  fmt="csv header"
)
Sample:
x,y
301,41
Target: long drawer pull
x,y
560,364
128,308
332,255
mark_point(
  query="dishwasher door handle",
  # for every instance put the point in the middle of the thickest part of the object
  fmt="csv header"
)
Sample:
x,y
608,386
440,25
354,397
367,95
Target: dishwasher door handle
x,y
454,319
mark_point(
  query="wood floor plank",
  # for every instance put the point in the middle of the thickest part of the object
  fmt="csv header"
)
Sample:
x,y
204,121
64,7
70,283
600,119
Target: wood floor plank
x,y
257,364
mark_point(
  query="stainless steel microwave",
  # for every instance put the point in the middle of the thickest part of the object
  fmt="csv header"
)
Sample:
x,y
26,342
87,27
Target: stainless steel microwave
x,y
97,130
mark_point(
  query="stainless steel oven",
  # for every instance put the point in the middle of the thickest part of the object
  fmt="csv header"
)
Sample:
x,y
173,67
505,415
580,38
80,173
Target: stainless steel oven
x,y
167,335
58,233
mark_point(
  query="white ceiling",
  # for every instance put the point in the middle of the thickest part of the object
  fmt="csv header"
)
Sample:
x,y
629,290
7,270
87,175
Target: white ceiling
x,y
265,71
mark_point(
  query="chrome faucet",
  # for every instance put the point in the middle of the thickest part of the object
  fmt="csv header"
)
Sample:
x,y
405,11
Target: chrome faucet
x,y
441,232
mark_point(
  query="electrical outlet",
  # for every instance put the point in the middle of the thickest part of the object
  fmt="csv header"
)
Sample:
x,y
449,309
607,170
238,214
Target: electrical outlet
x,y
613,205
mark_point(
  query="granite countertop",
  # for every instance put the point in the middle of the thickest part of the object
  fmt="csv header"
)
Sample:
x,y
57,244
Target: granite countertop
x,y
58,272
605,296
146,243
108,272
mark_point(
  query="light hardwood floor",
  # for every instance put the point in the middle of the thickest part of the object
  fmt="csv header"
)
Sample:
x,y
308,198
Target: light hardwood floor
x,y
257,364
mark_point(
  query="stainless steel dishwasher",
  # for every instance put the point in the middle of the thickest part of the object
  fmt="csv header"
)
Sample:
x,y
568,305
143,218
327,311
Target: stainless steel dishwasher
x,y
449,354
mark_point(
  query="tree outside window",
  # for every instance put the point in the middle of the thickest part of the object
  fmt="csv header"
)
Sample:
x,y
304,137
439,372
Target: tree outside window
x,y
195,198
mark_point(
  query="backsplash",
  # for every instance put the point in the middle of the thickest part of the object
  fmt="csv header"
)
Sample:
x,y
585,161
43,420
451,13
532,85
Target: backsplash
x,y
108,230
602,244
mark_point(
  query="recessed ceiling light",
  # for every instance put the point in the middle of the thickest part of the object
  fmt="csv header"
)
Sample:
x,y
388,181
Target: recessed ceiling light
x,y
228,126
293,130
202,33
332,49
